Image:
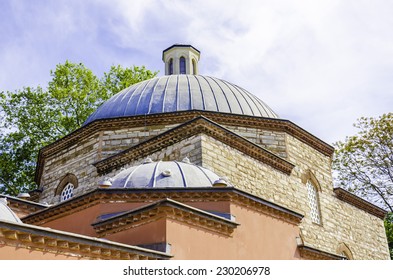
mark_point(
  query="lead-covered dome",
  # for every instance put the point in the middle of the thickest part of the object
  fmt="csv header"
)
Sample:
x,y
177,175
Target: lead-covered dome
x,y
166,174
175,93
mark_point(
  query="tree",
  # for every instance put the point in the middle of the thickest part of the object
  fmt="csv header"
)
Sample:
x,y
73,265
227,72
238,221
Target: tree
x,y
364,162
34,117
119,78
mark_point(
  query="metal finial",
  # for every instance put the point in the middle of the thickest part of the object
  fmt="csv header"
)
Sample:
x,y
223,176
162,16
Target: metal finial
x,y
147,160
186,160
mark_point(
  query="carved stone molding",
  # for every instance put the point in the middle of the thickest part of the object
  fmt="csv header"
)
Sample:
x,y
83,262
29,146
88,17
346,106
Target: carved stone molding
x,y
309,253
178,118
165,209
183,195
359,203
64,243
196,126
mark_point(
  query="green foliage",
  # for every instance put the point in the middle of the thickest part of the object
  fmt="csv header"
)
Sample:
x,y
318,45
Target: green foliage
x,y
119,78
16,163
34,117
389,232
75,92
364,162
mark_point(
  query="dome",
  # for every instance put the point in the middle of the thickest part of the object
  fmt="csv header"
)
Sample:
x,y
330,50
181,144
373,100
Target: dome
x,y
175,93
6,214
165,174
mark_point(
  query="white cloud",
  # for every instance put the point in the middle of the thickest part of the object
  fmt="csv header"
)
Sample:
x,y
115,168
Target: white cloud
x,y
321,64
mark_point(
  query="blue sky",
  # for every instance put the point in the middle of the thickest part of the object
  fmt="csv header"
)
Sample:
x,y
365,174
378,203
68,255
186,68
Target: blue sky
x,y
321,64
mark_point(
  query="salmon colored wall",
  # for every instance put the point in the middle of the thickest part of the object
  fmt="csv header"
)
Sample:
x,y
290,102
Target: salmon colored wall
x,y
257,237
18,253
80,222
153,232
218,206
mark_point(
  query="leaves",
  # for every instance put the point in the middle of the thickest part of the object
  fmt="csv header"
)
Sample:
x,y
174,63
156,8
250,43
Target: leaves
x,y
389,231
119,78
31,118
364,162
75,92
16,163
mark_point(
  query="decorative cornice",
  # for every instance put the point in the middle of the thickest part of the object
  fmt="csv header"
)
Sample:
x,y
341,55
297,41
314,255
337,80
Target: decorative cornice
x,y
179,45
360,203
59,242
177,118
199,125
64,208
25,206
183,195
310,253
168,209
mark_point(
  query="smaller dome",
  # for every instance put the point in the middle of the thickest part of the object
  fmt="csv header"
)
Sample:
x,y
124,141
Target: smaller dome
x,y
6,214
165,174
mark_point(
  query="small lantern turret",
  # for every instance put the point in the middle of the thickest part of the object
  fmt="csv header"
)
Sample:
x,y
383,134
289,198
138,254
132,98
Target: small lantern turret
x,y
181,59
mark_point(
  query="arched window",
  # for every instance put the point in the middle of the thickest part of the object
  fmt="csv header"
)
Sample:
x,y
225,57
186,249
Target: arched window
x,y
67,192
182,65
313,202
170,65
343,250
313,190
66,188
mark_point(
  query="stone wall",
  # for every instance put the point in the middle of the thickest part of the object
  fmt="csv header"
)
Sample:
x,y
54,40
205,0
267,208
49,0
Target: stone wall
x,y
114,141
247,173
190,148
273,141
79,158
363,233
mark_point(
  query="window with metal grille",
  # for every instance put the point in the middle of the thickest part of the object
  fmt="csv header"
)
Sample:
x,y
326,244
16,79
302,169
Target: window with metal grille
x,y
313,202
67,192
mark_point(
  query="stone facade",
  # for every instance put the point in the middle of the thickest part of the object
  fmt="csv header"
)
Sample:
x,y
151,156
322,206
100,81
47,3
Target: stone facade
x,y
273,141
342,223
190,148
79,158
115,141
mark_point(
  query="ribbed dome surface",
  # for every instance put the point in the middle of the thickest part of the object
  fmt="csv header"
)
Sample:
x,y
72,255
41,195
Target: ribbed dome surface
x,y
175,93
164,174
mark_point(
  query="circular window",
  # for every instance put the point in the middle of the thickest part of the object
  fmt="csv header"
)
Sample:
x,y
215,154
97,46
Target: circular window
x,y
67,192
